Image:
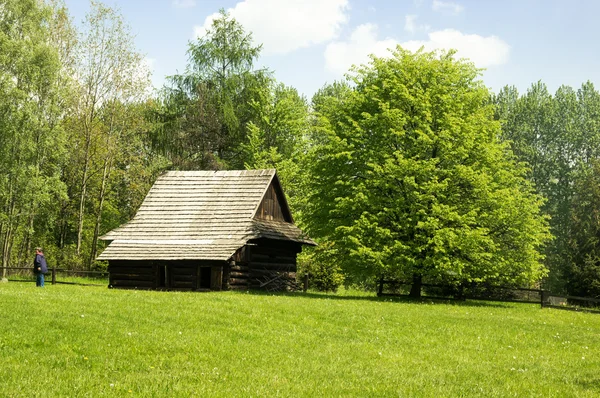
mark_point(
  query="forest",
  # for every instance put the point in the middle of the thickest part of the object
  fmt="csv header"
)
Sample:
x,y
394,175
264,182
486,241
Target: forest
x,y
411,167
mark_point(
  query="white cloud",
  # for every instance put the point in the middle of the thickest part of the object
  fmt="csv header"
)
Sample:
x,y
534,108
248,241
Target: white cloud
x,y
447,7
184,3
483,51
411,26
409,23
285,26
340,56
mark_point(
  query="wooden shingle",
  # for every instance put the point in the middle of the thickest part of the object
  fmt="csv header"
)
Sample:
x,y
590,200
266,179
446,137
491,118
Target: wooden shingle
x,y
200,215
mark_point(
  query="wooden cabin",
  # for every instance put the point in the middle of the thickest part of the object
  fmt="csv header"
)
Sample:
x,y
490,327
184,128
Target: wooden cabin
x,y
207,230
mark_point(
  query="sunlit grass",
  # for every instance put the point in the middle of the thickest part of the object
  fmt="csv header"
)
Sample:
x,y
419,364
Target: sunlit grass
x,y
60,278
87,341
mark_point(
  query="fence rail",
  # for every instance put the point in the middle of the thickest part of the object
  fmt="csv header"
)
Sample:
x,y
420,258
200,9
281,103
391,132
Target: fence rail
x,y
474,291
572,303
471,291
54,271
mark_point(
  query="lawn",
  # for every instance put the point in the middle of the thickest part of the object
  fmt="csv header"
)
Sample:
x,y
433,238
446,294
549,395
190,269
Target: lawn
x,y
91,341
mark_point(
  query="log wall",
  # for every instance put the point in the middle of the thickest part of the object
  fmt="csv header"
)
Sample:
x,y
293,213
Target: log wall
x,y
269,259
166,275
250,267
237,270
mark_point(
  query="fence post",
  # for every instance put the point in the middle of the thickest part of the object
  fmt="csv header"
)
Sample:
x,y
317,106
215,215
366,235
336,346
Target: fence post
x,y
543,297
54,275
380,290
460,292
305,285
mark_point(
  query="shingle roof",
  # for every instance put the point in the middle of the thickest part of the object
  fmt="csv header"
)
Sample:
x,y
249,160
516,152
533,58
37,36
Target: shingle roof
x,y
203,215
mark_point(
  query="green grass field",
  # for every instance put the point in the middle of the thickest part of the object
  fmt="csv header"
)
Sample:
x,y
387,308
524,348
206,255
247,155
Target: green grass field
x,y
91,341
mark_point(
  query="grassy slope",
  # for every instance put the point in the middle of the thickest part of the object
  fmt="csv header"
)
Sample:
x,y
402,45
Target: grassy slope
x,y
76,341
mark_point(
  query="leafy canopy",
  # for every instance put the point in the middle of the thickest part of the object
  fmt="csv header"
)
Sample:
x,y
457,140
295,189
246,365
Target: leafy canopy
x,y
410,178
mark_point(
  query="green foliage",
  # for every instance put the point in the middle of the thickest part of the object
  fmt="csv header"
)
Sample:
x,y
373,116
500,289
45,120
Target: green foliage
x,y
32,143
73,144
411,180
106,128
322,266
583,272
206,112
555,135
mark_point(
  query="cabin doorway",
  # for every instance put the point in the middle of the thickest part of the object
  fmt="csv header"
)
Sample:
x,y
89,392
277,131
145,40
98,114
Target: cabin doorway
x,y
204,278
209,277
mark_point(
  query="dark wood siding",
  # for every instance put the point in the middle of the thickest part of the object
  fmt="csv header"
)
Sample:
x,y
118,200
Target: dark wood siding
x,y
167,275
270,258
237,271
271,206
132,274
250,267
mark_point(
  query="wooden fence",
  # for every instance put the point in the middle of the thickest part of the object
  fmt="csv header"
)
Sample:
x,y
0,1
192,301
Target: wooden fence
x,y
481,291
55,271
572,303
472,291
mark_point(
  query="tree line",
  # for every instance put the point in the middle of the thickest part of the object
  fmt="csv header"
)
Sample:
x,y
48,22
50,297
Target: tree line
x,y
409,168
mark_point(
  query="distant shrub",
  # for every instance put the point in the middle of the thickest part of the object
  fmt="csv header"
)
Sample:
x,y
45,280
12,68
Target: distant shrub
x,y
324,271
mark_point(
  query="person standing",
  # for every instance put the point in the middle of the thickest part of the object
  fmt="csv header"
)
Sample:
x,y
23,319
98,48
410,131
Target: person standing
x,y
39,267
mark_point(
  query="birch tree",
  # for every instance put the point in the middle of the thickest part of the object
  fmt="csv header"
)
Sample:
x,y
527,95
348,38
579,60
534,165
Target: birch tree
x,y
111,75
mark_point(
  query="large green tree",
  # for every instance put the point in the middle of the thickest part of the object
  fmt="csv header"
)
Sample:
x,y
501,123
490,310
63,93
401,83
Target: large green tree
x,y
410,178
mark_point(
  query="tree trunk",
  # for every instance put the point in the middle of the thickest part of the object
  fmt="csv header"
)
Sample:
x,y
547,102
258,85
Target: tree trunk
x,y
26,243
83,190
1,245
62,234
6,250
105,176
415,289
8,236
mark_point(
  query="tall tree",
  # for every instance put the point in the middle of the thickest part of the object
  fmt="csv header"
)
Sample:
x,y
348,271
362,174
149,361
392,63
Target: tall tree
x,y
207,109
555,136
31,141
411,179
582,273
112,77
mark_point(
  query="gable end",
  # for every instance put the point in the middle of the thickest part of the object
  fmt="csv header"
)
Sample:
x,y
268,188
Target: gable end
x,y
273,205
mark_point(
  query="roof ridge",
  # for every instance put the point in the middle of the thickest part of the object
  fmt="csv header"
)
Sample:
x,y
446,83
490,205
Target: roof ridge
x,y
223,173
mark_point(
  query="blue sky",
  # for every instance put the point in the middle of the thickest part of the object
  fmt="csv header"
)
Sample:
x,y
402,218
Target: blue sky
x,y
308,43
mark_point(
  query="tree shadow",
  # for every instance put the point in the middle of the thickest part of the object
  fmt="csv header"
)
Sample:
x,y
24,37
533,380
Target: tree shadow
x,y
590,384
387,299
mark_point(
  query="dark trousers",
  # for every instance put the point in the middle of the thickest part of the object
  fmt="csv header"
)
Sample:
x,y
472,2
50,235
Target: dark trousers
x,y
39,280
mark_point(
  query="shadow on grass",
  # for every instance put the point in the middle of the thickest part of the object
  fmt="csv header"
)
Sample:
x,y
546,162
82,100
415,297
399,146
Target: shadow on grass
x,y
590,384
387,299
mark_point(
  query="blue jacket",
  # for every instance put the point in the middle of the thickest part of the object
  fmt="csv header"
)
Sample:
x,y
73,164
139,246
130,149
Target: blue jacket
x,y
39,264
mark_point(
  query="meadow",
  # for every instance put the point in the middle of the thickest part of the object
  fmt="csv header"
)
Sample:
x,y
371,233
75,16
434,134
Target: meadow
x,y
75,341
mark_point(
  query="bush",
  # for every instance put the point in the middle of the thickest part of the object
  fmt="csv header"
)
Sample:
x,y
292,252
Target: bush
x,y
324,272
